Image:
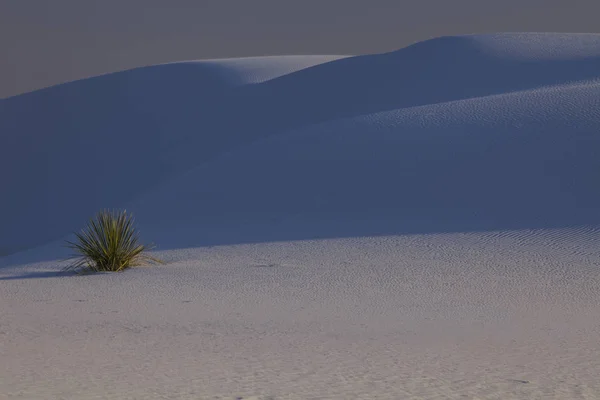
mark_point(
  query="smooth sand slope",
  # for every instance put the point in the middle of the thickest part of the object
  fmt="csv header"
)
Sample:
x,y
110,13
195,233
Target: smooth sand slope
x,y
417,224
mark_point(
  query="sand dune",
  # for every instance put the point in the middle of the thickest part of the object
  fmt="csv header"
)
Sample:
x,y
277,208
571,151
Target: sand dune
x,y
57,136
415,224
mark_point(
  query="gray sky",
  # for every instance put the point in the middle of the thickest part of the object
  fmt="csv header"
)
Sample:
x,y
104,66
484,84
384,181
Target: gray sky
x,y
44,42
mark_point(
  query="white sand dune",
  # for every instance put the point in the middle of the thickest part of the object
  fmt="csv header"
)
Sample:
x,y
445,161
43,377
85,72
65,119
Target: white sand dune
x,y
58,136
417,224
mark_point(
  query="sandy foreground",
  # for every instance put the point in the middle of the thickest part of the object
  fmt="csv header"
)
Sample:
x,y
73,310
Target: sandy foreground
x,y
511,315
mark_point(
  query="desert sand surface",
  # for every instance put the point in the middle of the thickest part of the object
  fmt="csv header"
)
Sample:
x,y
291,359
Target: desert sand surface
x,y
420,224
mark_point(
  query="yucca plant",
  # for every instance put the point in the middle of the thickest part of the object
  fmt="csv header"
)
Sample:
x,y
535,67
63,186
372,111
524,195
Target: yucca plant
x,y
108,243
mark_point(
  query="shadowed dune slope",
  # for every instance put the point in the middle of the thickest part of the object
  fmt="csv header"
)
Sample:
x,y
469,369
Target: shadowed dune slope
x,y
523,160
452,134
73,148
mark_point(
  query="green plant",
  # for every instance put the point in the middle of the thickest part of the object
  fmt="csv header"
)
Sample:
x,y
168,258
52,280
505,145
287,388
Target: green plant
x,y
108,243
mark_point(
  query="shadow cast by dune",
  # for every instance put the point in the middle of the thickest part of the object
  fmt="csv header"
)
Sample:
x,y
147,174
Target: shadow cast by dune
x,y
311,227
39,275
